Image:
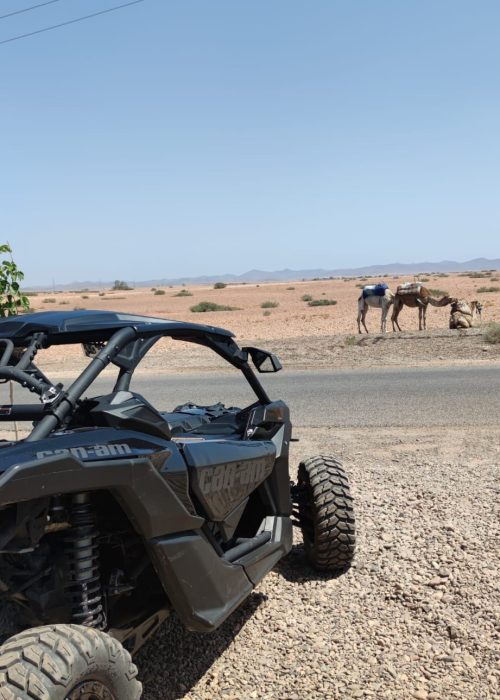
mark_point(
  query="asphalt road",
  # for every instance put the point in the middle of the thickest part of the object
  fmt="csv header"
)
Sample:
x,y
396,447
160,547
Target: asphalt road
x,y
352,398
344,398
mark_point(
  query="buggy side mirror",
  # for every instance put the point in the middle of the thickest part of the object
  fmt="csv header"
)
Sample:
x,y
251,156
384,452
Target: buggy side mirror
x,y
264,361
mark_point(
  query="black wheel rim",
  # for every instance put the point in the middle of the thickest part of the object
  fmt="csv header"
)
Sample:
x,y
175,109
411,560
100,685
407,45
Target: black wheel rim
x,y
90,690
306,506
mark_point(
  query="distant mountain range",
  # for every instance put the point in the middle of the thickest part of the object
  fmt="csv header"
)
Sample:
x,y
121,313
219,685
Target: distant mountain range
x,y
288,275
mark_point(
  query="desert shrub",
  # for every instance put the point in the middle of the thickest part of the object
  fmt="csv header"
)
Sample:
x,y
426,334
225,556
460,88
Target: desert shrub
x,y
85,296
306,297
266,313
494,279
482,290
220,285
62,303
183,293
159,292
359,285
78,308
269,305
351,340
322,302
153,289
121,286
492,334
438,293
204,306
50,300
424,279
477,275
30,294
289,289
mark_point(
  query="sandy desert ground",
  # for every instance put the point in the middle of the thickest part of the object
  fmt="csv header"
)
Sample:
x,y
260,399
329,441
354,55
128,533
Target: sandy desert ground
x,y
304,336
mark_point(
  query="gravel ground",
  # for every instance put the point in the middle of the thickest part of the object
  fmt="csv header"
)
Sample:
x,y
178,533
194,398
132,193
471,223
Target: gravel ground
x,y
417,616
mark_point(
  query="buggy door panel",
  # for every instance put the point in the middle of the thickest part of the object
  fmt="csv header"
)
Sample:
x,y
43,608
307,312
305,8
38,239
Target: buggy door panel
x,y
224,473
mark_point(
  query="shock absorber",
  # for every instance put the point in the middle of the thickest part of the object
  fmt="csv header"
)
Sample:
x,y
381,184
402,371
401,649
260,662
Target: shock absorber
x,y
82,548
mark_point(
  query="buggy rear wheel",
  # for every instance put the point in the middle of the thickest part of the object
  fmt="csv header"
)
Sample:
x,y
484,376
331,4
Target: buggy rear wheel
x,y
66,662
325,513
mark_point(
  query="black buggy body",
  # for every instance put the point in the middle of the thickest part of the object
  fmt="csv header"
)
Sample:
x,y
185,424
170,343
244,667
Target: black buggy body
x,y
114,512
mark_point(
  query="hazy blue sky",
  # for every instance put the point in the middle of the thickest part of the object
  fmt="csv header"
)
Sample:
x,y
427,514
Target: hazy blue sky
x,y
187,137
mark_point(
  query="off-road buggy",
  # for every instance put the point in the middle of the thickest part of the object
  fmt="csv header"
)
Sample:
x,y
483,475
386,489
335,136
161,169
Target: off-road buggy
x,y
113,513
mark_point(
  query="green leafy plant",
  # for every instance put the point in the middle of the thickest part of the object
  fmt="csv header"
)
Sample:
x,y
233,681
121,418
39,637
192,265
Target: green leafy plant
x,y
205,306
321,302
183,293
12,299
269,305
220,285
306,297
492,334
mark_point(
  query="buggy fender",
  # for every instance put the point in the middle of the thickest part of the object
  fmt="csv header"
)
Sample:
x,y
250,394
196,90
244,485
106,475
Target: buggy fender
x,y
151,504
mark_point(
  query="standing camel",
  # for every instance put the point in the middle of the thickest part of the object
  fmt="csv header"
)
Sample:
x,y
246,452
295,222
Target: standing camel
x,y
376,301
417,296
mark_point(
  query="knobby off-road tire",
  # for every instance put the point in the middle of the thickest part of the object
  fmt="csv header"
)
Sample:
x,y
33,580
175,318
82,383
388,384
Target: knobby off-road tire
x,y
326,514
66,662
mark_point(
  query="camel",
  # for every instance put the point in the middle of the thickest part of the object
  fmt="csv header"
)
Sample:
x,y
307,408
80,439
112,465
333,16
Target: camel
x,y
417,296
463,313
376,302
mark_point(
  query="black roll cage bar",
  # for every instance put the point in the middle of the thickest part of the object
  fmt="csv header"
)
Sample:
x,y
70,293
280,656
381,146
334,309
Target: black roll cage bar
x,y
125,348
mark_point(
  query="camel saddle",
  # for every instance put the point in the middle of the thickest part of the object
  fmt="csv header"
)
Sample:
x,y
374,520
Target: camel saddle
x,y
409,288
377,290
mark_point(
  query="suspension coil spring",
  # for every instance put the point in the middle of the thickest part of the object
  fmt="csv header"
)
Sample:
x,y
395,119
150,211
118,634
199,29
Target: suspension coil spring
x,y
84,586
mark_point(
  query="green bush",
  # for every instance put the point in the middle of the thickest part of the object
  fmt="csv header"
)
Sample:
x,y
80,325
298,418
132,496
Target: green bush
x,y
306,297
322,302
220,285
205,306
269,305
482,290
492,334
183,293
159,292
121,286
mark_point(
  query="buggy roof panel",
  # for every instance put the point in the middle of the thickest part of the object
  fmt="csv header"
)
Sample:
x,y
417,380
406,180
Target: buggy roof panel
x,y
86,326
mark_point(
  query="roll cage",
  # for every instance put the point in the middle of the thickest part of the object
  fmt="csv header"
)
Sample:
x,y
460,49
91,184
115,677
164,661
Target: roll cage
x,y
108,338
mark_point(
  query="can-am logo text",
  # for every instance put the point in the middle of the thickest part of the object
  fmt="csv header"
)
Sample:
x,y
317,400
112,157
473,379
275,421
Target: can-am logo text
x,y
89,452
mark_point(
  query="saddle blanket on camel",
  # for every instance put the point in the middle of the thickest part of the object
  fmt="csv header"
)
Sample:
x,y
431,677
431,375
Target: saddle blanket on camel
x,y
374,290
409,288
